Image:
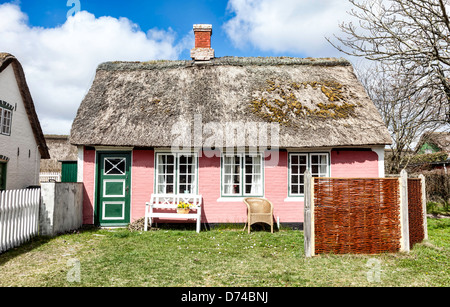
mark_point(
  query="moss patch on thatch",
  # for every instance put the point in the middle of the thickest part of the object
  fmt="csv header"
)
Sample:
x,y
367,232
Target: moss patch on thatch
x,y
281,103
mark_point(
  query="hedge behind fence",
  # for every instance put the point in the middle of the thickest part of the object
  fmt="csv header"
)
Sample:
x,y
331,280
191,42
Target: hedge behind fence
x,y
438,186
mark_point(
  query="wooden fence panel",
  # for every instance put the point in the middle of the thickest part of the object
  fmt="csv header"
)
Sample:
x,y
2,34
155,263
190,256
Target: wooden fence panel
x,y
19,217
356,215
415,211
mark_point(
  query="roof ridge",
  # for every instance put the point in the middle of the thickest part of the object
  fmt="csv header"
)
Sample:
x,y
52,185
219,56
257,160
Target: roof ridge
x,y
226,60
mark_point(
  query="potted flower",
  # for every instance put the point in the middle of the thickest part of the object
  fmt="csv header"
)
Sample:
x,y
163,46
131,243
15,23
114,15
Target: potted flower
x,y
183,208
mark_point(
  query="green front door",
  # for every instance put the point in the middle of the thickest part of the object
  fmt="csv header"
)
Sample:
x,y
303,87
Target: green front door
x,y
2,176
113,189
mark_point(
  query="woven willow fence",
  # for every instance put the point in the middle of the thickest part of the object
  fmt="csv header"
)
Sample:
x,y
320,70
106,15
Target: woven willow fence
x,y
363,215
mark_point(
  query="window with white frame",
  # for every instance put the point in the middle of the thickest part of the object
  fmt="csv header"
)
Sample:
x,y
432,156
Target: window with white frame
x,y
5,121
242,174
176,173
316,163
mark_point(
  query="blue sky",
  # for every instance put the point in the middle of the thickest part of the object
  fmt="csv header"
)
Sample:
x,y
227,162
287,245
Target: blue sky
x,y
174,14
60,53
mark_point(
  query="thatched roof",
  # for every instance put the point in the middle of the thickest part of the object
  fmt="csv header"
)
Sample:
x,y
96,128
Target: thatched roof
x,y
60,150
316,102
7,59
440,139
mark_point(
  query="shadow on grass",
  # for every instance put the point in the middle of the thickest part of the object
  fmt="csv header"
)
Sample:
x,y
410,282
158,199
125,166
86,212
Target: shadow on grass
x,y
36,242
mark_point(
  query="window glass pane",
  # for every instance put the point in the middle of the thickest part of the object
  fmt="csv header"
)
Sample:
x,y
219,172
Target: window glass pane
x,y
5,121
170,159
236,189
169,189
294,159
248,189
183,179
114,166
303,159
227,179
161,189
2,111
161,159
169,178
302,169
237,178
183,160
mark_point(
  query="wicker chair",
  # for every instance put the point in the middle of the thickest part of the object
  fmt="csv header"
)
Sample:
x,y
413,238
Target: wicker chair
x,y
260,210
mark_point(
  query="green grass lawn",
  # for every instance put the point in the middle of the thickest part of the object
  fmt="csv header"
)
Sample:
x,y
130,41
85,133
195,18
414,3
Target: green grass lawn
x,y
216,258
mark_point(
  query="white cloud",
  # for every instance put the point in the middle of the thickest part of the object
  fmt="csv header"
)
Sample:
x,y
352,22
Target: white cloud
x,y
60,62
281,26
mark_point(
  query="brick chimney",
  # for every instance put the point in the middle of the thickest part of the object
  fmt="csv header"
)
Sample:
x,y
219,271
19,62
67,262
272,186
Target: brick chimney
x,y
202,50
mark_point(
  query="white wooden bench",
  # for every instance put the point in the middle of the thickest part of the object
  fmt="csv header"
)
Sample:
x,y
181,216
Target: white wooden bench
x,y
169,202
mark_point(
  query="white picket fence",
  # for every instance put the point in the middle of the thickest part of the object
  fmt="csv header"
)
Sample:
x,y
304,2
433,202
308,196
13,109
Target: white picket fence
x,y
19,217
49,177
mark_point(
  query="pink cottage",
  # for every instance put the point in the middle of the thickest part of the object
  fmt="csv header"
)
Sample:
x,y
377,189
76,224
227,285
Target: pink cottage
x,y
226,128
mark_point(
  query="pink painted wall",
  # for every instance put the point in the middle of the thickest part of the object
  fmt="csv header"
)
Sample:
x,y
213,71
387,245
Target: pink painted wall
x,y
89,186
276,190
357,164
209,188
142,179
227,210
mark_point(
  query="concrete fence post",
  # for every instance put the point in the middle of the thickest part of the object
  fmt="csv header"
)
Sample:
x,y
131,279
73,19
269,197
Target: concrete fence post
x,y
404,220
308,221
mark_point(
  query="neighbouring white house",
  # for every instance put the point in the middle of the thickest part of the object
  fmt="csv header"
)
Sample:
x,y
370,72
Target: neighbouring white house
x,y
22,143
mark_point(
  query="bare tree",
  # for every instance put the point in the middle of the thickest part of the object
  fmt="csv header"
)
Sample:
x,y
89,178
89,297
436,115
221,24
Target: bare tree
x,y
412,34
407,114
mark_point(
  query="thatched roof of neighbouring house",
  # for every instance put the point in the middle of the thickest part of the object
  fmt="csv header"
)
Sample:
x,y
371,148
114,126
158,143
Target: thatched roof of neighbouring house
x,y
316,102
439,139
60,150
7,59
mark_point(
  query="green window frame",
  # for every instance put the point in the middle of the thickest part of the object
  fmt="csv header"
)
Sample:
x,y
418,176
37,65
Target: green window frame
x,y
176,173
318,163
242,174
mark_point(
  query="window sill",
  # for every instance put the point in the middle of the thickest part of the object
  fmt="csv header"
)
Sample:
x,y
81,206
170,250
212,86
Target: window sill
x,y
238,199
294,199
234,199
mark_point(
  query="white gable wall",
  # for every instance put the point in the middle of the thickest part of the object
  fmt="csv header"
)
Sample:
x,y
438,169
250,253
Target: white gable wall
x,y
20,147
